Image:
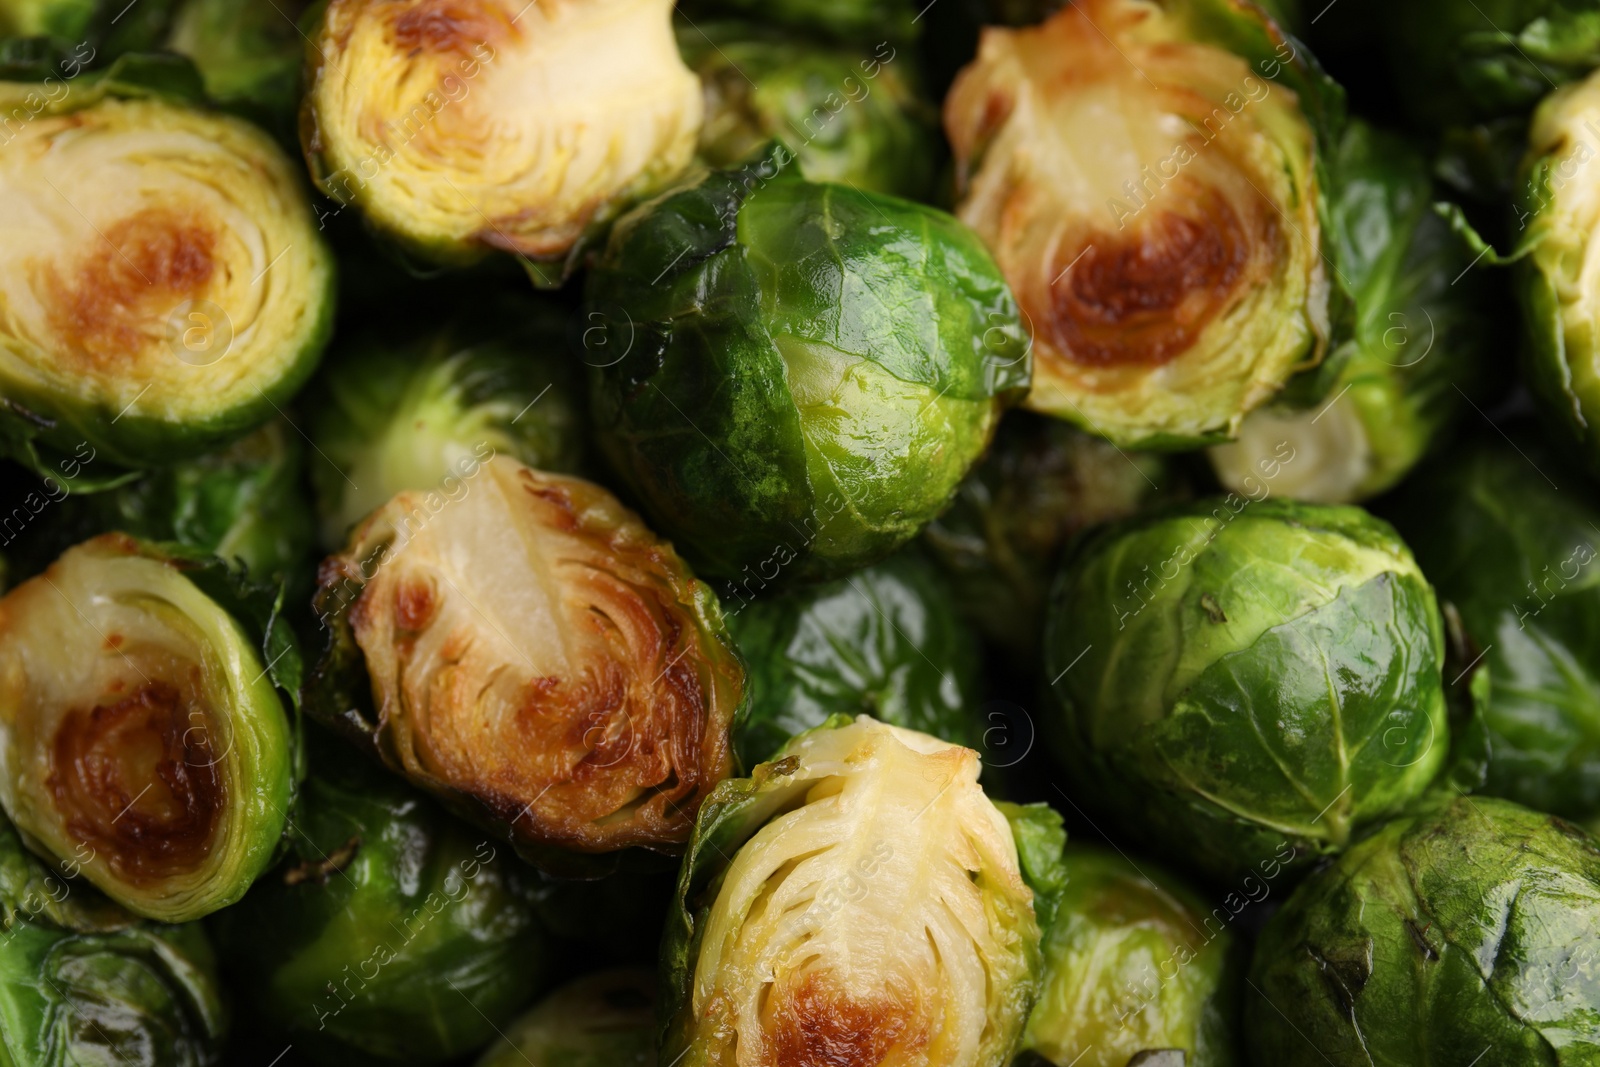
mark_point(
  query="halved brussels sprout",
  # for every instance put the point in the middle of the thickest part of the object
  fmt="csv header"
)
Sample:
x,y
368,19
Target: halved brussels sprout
x,y
166,285
857,900
600,1020
1240,680
794,377
1425,333
587,105
83,982
142,738
1041,482
1148,177
1132,965
850,116
885,641
244,504
1559,206
1517,557
417,414
249,54
392,932
537,658
1466,931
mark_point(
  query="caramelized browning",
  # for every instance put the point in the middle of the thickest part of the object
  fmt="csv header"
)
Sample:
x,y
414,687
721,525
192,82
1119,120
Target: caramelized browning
x,y
813,1026
447,26
1144,298
609,742
135,780
115,300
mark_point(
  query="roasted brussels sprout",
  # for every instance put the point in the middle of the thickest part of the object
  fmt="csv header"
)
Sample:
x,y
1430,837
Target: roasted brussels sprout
x,y
392,933
1425,333
1041,482
417,414
886,641
1558,225
243,503
1247,681
588,106
801,394
1150,180
601,1020
537,658
857,900
166,284
1516,556
1467,928
142,739
1133,963
249,54
850,116
82,981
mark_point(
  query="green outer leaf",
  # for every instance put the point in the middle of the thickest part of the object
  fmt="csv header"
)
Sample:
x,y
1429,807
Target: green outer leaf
x,y
849,21
1518,559
885,642
1427,325
1041,836
1468,926
1134,962
705,325
82,981
391,934
1280,688
851,115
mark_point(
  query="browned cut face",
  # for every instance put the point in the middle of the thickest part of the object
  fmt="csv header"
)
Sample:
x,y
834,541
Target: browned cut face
x,y
113,303
1142,296
814,1026
441,27
135,780
537,652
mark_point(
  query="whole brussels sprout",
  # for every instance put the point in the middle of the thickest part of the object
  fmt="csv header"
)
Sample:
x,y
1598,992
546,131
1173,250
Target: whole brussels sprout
x,y
1041,482
885,641
249,54
1242,679
587,103
1132,965
600,1020
84,982
1558,229
1516,557
1425,332
391,933
537,659
1151,181
1447,934
142,737
244,503
167,287
851,117
397,415
857,900
806,390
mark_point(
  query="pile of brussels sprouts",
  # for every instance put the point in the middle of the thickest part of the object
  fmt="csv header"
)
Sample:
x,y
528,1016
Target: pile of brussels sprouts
x,y
820,533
